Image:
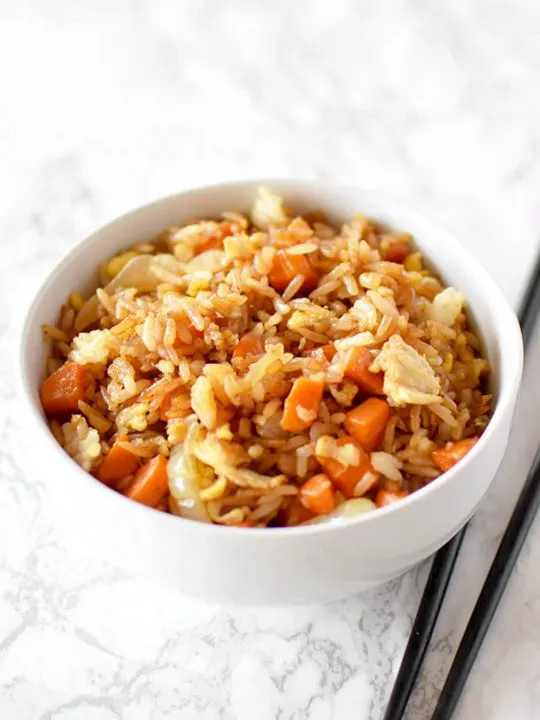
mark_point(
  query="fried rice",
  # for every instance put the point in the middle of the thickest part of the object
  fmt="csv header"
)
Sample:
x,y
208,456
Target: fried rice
x,y
267,370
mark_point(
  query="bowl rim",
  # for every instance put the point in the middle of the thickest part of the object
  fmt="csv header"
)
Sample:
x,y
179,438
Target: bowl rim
x,y
507,325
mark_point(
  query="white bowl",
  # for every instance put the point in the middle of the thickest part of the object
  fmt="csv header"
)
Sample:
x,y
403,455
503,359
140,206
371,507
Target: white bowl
x,y
288,565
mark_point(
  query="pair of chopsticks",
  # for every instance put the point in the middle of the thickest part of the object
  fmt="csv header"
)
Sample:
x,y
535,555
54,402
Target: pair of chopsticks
x,y
494,585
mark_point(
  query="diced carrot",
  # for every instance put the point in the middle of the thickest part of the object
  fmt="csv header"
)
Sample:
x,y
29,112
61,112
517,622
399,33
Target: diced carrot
x,y
150,482
301,406
358,362
387,497
61,391
321,357
247,346
347,477
447,457
323,352
116,465
366,423
245,523
214,242
294,513
397,252
317,494
286,267
228,228
328,351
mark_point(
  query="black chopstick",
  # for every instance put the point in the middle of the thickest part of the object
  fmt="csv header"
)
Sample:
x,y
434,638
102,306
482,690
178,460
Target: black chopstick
x,y
422,629
491,594
444,561
424,624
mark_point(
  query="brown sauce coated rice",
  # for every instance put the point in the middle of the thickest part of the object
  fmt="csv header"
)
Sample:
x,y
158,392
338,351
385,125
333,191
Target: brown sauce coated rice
x,y
158,344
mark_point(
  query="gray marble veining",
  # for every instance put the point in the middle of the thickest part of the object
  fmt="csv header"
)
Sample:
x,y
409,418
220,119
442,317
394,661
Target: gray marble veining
x,y
105,105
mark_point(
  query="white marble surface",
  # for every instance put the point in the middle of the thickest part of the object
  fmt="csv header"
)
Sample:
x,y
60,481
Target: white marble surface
x,y
107,104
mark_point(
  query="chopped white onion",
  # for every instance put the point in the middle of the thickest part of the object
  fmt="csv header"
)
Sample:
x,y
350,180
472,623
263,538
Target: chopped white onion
x,y
184,485
136,273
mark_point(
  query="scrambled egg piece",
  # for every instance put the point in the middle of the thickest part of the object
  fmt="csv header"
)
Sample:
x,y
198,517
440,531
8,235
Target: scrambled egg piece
x,y
81,442
220,455
268,209
408,377
122,386
365,313
91,347
134,417
446,306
